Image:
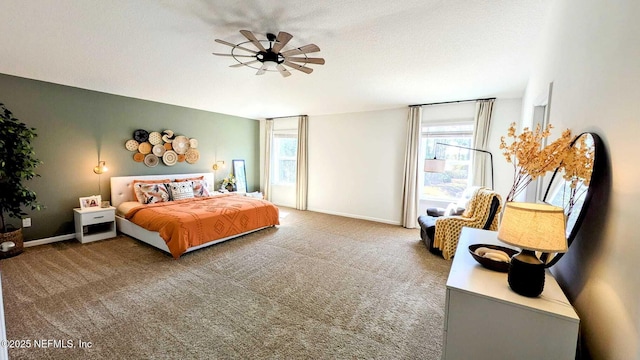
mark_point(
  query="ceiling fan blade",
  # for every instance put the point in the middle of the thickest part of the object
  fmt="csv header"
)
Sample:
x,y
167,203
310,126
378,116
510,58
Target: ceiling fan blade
x,y
283,71
243,64
319,61
262,70
307,49
235,46
249,35
282,40
234,55
298,67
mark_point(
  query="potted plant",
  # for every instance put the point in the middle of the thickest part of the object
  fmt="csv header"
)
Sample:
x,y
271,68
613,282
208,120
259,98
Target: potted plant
x,y
17,165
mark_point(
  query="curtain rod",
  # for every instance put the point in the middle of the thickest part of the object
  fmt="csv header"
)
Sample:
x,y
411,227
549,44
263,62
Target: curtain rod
x,y
283,117
450,102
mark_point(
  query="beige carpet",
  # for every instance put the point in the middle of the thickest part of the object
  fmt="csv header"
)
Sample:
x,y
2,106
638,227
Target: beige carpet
x,y
318,286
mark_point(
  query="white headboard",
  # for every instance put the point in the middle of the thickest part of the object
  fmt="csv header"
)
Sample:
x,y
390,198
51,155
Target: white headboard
x,y
122,186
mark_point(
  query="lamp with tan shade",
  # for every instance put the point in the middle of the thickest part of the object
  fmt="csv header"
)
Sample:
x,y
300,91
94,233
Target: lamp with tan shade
x,y
531,227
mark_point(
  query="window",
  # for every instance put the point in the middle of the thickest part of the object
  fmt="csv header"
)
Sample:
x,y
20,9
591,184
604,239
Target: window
x,y
285,150
450,184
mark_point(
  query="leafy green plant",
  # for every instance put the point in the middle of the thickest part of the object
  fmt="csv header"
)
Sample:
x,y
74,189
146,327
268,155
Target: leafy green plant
x,y
17,165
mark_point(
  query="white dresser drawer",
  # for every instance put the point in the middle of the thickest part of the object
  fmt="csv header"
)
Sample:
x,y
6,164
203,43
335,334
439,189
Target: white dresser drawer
x,y
97,217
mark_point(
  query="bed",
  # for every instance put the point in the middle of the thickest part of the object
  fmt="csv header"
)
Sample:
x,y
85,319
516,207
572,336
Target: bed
x,y
190,224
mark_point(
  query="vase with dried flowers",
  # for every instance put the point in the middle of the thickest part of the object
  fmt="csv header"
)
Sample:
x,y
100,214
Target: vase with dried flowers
x,y
529,158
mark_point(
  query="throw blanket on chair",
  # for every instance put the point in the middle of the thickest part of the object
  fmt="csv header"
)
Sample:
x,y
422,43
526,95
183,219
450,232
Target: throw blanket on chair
x,y
448,228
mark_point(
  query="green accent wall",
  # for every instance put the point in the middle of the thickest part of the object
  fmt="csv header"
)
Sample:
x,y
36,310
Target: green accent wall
x,y
76,127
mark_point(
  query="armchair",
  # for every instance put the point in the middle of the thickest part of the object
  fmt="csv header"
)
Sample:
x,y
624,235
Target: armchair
x,y
441,234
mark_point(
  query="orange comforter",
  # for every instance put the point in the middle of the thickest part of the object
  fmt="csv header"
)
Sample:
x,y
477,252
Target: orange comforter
x,y
192,222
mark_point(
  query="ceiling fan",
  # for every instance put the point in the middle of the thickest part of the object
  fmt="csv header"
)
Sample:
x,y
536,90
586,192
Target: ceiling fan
x,y
275,56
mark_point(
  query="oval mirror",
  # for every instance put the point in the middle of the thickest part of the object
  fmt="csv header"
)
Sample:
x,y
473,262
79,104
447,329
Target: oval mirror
x,y
569,187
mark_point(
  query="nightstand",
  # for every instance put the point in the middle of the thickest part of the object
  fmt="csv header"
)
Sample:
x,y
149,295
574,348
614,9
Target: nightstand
x,y
95,223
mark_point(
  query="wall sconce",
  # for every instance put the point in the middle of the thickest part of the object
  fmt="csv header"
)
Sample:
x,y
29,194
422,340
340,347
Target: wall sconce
x,y
218,165
101,168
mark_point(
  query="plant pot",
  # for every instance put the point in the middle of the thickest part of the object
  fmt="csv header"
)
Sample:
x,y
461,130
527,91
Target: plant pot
x,y
14,236
229,187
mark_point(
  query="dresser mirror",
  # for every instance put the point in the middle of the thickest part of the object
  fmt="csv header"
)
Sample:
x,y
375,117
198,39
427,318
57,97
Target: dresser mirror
x,y
570,186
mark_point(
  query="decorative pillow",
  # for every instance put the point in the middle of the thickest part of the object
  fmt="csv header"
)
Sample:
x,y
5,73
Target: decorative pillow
x,y
453,209
467,194
189,179
181,190
152,193
200,188
137,195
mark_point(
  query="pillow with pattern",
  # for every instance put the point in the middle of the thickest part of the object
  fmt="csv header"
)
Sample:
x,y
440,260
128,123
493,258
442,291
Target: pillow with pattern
x,y
152,193
138,195
181,190
200,188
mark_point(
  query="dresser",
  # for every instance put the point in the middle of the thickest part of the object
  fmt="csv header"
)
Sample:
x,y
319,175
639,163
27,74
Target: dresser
x,y
485,319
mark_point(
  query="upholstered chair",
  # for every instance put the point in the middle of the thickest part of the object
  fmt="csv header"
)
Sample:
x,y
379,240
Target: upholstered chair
x,y
441,234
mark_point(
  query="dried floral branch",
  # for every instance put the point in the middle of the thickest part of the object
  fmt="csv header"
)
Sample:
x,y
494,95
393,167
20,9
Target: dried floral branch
x,y
530,160
578,167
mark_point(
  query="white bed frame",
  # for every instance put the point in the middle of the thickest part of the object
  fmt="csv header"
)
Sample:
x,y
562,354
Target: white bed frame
x,y
122,191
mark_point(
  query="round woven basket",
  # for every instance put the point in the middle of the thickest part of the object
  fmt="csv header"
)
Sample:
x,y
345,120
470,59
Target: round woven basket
x,y
16,237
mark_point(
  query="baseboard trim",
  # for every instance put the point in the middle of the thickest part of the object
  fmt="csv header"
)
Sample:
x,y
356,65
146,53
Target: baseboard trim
x,y
59,238
49,240
384,221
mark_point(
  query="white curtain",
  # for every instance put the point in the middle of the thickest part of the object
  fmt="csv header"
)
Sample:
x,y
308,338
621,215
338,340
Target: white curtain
x,y
302,171
484,110
268,137
412,171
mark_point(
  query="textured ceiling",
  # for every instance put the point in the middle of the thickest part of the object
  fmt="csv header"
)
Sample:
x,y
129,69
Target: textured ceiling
x,y
379,53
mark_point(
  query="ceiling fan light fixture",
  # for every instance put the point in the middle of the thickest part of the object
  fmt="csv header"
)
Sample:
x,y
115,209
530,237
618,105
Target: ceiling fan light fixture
x,y
269,64
271,54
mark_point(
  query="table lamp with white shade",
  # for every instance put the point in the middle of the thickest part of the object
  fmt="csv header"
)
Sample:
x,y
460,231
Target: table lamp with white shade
x,y
531,227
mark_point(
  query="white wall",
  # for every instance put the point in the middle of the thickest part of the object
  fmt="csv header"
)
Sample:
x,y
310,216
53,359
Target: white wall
x,y
356,160
591,53
356,164
505,111
455,111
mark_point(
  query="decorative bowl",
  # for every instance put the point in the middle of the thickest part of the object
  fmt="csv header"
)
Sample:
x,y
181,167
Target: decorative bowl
x,y
491,264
